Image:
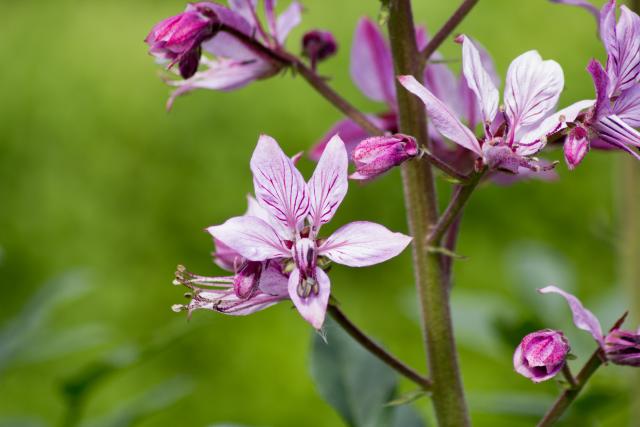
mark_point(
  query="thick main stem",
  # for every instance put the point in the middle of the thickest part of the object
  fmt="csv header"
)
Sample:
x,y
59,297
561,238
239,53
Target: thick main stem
x,y
421,202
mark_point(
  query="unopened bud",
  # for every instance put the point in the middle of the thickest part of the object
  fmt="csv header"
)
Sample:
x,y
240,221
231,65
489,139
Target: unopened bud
x,y
318,45
576,146
375,156
541,355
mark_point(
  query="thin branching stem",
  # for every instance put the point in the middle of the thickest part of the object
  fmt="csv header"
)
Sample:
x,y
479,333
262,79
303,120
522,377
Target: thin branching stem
x,y
447,29
316,81
569,394
375,348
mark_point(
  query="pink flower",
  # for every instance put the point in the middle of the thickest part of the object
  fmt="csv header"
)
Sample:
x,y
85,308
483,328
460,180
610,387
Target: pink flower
x,y
254,286
541,355
178,38
612,120
620,346
229,61
375,156
510,140
289,235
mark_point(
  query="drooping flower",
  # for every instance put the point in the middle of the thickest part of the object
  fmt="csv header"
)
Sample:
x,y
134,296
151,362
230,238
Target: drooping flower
x,y
612,120
620,346
297,210
234,62
254,285
318,45
541,355
177,39
510,139
375,156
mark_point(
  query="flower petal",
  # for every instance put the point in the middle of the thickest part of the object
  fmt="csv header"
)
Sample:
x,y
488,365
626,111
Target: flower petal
x,y
600,83
288,20
371,63
608,25
279,186
221,75
314,307
251,237
442,117
533,140
616,132
531,90
627,106
362,243
582,318
623,63
479,80
328,184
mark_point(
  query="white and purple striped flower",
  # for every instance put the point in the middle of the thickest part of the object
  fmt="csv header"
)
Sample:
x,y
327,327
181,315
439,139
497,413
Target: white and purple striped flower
x,y
295,210
612,120
532,89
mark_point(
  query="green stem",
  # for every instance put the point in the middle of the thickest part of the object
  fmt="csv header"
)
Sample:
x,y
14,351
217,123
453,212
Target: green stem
x,y
421,203
375,348
569,395
458,201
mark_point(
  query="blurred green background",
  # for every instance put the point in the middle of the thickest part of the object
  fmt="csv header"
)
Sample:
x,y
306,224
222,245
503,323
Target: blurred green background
x,y
104,193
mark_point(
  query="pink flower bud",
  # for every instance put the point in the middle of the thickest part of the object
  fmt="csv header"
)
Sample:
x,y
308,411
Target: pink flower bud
x,y
623,347
576,146
318,45
178,38
374,156
541,355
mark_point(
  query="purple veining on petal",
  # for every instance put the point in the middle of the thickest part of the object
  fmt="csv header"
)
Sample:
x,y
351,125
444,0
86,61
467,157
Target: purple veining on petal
x,y
328,184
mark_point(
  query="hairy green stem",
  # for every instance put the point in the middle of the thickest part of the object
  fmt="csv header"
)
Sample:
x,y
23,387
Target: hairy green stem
x,y
375,349
421,203
569,395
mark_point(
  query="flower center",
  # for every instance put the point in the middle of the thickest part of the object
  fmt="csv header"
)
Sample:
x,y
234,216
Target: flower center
x,y
305,255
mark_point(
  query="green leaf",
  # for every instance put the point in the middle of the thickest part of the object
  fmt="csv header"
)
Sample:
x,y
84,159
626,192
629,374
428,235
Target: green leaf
x,y
354,382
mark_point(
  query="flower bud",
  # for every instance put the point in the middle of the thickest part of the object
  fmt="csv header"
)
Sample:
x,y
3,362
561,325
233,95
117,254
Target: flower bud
x,y
374,156
541,355
576,146
623,347
178,38
318,45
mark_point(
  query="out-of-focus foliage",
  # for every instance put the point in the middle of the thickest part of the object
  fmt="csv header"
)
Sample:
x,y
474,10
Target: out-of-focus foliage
x,y
96,176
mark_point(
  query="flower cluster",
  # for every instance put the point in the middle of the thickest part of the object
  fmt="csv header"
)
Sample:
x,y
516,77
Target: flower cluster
x,y
541,355
234,36
275,249
610,122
